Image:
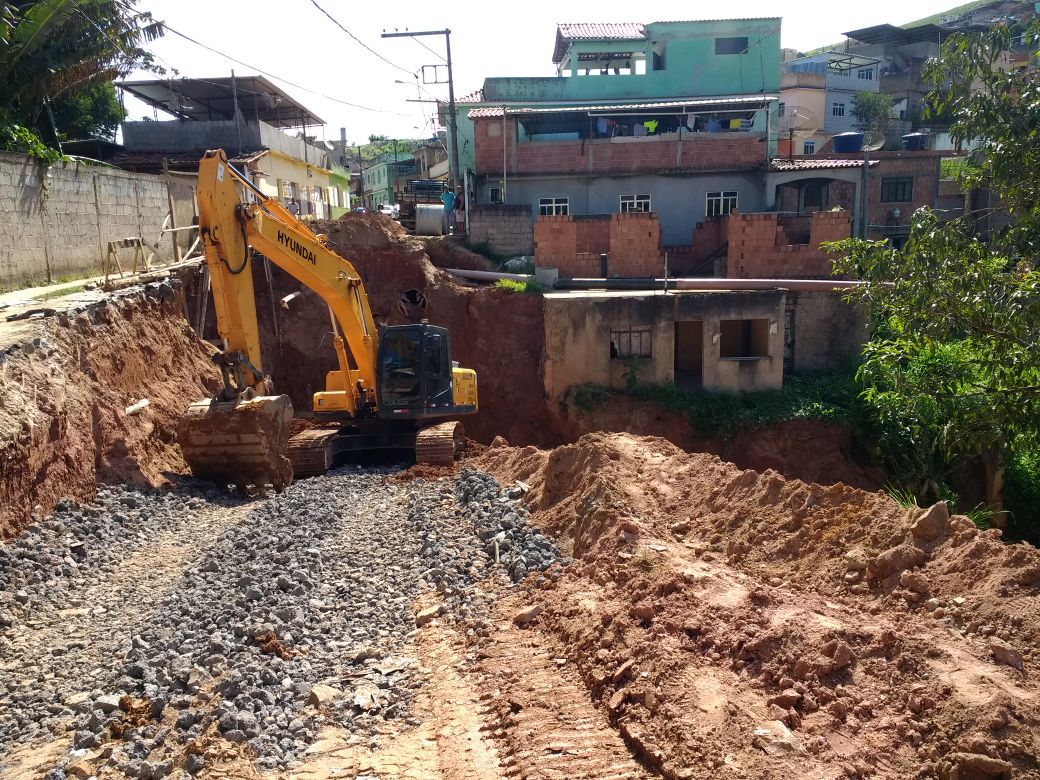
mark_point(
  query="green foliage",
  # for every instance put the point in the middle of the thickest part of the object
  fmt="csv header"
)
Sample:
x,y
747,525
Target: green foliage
x,y
998,110
832,397
951,167
93,112
633,367
53,50
17,138
530,287
1022,489
901,495
871,110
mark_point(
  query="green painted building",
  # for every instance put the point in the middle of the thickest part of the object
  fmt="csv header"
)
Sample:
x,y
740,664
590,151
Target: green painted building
x,y
339,191
386,175
638,63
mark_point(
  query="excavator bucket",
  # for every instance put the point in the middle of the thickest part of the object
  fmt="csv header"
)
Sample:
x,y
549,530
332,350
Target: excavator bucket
x,y
242,442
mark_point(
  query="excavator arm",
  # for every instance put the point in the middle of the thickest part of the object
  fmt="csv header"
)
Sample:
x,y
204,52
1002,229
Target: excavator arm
x,y
228,226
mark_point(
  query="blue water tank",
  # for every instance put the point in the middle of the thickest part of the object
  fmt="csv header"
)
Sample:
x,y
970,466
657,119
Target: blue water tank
x,y
845,143
915,142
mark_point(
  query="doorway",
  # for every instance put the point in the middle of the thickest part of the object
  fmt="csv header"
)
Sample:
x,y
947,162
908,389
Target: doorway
x,y
689,354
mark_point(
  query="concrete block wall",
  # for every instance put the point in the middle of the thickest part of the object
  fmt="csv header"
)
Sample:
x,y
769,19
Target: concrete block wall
x,y
758,248
555,244
506,229
59,223
828,333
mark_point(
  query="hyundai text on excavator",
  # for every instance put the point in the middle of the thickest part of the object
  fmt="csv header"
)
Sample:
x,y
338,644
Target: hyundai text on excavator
x,y
392,386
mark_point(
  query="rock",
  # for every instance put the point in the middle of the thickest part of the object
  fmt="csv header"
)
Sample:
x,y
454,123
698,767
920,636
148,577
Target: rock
x,y
321,695
932,522
895,560
21,597
424,616
616,700
235,735
194,763
981,767
1003,653
837,709
107,704
528,614
914,581
843,656
786,699
623,671
85,739
774,738
498,441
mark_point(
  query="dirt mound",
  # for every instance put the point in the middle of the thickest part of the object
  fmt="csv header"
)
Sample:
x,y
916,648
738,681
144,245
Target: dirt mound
x,y
64,392
363,229
737,624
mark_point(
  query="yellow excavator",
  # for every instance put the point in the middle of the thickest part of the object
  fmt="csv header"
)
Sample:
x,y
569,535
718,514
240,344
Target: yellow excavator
x,y
394,386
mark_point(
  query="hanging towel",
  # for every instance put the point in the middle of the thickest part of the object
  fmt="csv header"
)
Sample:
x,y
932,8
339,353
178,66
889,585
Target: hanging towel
x,y
734,124
651,126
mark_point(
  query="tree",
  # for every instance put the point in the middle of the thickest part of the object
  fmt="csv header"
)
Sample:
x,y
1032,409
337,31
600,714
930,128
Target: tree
x,y
53,49
871,110
93,112
953,367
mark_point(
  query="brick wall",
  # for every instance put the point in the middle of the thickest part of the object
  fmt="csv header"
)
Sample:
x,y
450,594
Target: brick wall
x,y
64,229
691,152
922,167
758,247
506,229
635,245
573,245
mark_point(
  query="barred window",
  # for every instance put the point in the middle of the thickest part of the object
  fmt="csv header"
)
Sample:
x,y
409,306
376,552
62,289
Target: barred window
x,y
630,342
897,189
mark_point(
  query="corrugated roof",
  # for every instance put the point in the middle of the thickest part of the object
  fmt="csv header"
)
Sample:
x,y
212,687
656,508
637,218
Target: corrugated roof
x,y
595,31
729,100
780,165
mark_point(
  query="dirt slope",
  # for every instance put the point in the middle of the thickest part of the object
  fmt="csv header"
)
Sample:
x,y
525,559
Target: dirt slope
x,y
64,391
737,624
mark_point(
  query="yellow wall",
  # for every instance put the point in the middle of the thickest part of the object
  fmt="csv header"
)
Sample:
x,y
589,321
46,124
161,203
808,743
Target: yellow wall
x,y
801,97
275,168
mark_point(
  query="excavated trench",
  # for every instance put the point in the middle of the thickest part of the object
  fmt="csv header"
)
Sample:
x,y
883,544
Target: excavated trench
x,y
625,609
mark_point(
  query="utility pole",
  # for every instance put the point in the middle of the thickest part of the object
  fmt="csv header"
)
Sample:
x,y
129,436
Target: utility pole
x,y
453,136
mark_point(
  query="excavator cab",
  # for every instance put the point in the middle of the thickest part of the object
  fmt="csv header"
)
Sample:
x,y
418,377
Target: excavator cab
x,y
416,374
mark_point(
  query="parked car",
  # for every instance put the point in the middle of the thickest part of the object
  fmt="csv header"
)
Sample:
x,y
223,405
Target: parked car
x,y
392,210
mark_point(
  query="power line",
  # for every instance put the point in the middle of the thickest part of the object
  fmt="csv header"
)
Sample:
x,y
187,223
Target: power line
x,y
363,44
431,51
279,78
228,57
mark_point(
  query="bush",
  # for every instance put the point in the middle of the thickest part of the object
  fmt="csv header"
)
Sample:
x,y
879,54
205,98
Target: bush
x,y
530,287
1022,490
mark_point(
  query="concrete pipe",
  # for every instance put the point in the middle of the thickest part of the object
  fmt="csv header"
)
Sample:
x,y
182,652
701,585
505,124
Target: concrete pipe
x,y
429,219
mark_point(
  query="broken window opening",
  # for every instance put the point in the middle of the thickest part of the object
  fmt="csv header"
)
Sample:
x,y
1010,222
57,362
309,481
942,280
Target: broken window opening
x,y
630,342
743,339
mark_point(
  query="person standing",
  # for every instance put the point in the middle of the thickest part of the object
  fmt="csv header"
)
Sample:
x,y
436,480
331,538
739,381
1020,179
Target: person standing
x,y
448,199
294,208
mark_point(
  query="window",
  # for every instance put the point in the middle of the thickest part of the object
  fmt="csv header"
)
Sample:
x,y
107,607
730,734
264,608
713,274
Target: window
x,y
897,190
554,207
837,109
867,74
809,147
743,339
495,195
719,203
635,203
731,45
630,342
334,197
781,109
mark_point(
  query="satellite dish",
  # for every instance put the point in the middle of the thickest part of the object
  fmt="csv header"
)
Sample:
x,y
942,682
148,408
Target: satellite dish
x,y
799,123
873,140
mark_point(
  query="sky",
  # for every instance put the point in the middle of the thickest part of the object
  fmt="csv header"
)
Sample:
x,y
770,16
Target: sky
x,y
293,40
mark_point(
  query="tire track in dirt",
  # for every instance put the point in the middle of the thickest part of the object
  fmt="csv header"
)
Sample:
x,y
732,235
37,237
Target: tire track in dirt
x,y
541,715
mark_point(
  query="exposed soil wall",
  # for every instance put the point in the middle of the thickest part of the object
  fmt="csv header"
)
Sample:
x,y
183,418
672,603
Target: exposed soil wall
x,y
64,392
736,624
499,334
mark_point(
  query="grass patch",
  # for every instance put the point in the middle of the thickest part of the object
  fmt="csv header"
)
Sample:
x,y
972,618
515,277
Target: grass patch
x,y
530,287
61,293
30,284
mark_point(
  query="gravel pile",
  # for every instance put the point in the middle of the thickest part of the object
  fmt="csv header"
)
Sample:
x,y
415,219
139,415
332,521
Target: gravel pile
x,y
295,616
502,524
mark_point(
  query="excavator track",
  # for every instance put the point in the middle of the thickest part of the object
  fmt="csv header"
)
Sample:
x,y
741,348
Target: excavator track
x,y
439,445
310,451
